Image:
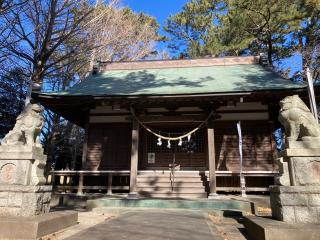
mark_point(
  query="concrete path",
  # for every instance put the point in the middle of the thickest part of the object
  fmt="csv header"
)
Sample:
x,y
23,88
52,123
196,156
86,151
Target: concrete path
x,y
153,225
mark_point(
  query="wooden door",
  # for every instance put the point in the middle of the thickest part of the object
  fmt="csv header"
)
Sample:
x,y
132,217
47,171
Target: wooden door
x,y
191,155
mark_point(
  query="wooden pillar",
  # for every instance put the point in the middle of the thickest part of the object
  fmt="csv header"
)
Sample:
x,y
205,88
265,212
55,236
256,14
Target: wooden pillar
x,y
84,160
243,185
212,161
109,190
134,158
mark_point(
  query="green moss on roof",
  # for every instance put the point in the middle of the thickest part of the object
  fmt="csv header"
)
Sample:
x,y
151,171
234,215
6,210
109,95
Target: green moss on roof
x,y
190,80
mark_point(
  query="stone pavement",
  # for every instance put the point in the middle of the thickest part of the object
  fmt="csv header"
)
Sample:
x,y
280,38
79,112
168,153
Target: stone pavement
x,y
153,224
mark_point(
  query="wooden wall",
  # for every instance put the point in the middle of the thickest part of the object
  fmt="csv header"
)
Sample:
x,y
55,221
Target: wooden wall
x,y
257,146
109,147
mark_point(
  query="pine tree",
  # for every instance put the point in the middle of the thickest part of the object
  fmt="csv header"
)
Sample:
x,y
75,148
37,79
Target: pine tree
x,y
234,27
265,25
195,30
306,39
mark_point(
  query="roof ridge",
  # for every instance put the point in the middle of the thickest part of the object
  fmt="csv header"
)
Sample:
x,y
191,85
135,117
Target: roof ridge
x,y
180,63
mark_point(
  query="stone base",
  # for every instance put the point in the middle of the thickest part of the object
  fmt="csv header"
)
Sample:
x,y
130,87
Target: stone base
x,y
19,200
22,165
268,229
213,196
36,227
282,178
295,204
305,143
303,164
133,195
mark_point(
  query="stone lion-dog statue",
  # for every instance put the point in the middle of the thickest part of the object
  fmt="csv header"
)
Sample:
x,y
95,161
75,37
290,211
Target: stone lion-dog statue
x,y
27,129
297,119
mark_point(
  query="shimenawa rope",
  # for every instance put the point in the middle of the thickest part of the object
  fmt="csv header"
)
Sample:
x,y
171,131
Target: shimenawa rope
x,y
171,138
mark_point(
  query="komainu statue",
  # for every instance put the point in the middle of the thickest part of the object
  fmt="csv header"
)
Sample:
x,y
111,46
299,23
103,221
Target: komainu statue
x,y
297,119
27,129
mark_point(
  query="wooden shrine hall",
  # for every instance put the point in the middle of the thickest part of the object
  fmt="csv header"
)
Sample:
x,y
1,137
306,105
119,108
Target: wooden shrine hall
x,y
169,128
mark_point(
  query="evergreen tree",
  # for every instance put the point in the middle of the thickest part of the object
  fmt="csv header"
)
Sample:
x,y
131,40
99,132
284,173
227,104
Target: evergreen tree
x,y
306,39
265,25
195,30
234,27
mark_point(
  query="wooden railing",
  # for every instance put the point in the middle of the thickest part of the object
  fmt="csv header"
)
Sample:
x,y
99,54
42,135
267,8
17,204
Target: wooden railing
x,y
245,175
71,180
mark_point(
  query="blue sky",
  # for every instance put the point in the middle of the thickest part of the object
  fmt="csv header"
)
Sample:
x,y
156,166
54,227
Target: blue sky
x,y
162,9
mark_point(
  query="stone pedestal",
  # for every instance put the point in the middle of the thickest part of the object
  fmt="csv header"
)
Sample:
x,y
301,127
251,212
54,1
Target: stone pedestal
x,y
295,204
20,200
22,184
299,201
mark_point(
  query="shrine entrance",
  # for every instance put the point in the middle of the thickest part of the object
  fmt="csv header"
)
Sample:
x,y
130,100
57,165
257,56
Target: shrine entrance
x,y
189,153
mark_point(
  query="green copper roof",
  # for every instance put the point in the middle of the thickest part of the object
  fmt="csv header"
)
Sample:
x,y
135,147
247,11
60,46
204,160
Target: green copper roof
x,y
190,80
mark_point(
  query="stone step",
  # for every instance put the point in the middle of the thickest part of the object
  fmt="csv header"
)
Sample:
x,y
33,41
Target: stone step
x,y
202,203
169,190
173,195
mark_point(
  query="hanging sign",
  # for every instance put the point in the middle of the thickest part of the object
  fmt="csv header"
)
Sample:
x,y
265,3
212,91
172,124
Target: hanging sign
x,y
151,158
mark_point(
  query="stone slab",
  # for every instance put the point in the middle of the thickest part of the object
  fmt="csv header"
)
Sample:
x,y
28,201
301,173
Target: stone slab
x,y
16,152
300,152
260,228
24,168
245,206
295,204
35,227
153,224
19,200
15,171
306,170
306,142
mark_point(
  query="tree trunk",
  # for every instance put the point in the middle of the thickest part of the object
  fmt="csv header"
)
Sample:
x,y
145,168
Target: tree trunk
x,y
270,50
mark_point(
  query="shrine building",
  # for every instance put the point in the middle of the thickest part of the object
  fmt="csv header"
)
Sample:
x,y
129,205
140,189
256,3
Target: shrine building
x,y
171,128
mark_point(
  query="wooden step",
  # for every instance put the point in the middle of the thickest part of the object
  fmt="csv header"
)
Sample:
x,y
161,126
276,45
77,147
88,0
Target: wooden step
x,y
168,184
157,184
166,174
167,180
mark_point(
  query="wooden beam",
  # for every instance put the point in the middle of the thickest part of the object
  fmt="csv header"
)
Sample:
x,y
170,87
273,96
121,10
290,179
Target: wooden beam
x,y
212,160
134,158
177,118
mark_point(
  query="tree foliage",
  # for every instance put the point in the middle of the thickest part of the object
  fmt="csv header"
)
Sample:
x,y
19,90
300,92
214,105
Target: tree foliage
x,y
278,28
196,28
119,34
53,44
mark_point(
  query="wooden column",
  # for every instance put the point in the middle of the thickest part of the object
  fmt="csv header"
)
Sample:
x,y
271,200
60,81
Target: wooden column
x,y
84,160
134,158
212,160
109,187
